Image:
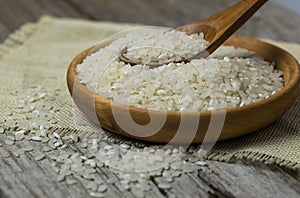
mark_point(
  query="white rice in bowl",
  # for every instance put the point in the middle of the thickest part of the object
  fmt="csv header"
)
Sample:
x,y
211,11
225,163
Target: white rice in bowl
x,y
228,78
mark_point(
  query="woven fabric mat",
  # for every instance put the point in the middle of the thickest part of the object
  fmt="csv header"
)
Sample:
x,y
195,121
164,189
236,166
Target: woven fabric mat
x,y
41,52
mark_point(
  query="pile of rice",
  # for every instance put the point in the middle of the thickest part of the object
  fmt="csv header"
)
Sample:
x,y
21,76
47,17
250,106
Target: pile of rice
x,y
228,78
164,47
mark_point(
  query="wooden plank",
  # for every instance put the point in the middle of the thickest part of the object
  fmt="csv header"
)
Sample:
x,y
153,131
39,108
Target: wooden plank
x,y
156,12
272,21
4,32
187,187
24,176
14,13
251,179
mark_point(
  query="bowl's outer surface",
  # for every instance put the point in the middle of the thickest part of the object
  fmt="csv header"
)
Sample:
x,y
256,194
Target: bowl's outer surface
x,y
238,121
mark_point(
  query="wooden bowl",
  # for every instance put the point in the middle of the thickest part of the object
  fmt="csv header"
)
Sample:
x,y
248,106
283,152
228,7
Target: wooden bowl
x,y
211,125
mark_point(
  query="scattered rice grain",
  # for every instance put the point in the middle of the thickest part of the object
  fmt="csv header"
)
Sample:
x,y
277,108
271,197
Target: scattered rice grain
x,y
96,194
60,178
2,130
164,186
9,142
40,157
102,188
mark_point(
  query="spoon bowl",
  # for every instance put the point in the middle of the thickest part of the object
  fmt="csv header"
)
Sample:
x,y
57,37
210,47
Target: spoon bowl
x,y
236,121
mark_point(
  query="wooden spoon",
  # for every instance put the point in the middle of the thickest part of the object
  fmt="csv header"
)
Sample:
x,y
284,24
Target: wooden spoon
x,y
217,28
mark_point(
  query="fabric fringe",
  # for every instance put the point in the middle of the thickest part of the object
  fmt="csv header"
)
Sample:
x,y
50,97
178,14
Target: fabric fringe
x,y
253,156
17,38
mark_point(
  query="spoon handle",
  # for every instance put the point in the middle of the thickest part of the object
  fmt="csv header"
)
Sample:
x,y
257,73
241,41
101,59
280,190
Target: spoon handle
x,y
219,27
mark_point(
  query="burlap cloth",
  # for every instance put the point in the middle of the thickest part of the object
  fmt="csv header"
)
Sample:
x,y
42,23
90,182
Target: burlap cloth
x,y
41,53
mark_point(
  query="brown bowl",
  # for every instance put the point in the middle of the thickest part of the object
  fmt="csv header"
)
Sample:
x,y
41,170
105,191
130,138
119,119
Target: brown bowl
x,y
193,127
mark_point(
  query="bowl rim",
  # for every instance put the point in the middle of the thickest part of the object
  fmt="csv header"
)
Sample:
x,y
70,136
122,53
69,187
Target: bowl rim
x,y
293,83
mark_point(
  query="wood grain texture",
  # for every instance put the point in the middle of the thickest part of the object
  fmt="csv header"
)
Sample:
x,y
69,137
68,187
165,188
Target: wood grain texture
x,y
24,177
272,21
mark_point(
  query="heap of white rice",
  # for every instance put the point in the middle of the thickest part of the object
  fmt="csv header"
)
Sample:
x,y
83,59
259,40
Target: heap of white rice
x,y
164,47
229,78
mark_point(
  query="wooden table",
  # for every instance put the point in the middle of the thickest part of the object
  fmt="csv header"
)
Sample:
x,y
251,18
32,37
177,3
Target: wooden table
x,y
239,178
